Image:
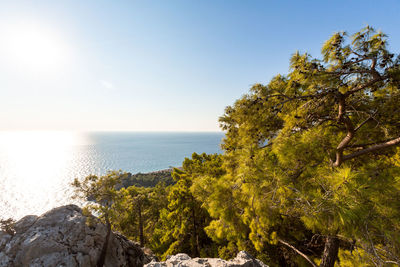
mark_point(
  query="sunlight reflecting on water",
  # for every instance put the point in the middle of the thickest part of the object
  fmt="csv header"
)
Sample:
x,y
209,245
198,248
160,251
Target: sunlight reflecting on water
x,y
36,170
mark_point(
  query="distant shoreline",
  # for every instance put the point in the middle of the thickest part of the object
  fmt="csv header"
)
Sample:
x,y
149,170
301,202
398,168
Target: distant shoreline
x,y
169,170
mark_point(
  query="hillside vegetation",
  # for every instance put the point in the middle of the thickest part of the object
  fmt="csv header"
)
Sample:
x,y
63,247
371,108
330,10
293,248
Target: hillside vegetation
x,y
150,179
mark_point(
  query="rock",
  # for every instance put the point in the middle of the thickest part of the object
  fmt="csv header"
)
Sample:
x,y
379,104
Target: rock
x,y
61,237
183,260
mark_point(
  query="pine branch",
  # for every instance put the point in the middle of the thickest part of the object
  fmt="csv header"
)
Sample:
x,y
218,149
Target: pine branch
x,y
365,121
367,144
376,147
349,128
362,87
298,251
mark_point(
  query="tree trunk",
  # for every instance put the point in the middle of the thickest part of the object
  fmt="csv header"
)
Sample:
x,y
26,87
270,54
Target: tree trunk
x,y
141,236
330,251
102,257
196,246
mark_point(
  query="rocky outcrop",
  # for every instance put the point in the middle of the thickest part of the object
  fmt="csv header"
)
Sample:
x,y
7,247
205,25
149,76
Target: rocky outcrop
x,y
243,259
61,237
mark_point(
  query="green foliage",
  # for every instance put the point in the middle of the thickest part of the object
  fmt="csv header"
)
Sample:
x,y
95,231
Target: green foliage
x,y
182,222
133,211
103,193
150,179
359,257
315,150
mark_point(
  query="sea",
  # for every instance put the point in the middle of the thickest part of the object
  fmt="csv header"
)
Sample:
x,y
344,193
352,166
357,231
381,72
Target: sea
x,y
37,168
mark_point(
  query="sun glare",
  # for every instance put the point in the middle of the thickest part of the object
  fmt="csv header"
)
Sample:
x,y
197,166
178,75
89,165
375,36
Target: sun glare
x,y
33,47
37,169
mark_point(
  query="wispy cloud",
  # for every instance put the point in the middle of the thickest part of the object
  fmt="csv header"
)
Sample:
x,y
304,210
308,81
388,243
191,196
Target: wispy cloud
x,y
107,84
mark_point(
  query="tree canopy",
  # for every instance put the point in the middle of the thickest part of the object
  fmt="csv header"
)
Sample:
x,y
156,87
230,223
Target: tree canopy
x,y
320,145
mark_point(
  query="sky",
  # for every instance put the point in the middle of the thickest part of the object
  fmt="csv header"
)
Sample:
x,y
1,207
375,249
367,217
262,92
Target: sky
x,y
157,65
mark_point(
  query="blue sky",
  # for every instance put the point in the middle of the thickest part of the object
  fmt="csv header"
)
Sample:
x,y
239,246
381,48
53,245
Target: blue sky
x,y
157,65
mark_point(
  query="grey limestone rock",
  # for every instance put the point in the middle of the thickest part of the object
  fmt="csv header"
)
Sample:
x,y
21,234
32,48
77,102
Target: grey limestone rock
x,y
61,237
243,259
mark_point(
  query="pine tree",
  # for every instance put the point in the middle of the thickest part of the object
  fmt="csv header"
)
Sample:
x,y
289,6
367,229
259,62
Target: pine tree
x,y
133,213
182,223
319,147
104,195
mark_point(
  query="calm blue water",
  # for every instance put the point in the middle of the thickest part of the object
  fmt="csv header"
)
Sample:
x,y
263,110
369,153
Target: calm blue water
x,y
145,152
37,168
